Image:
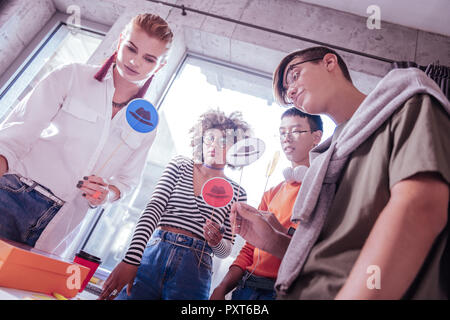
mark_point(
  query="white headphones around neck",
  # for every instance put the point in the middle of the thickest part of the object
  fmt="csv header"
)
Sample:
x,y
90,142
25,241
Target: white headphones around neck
x,y
294,174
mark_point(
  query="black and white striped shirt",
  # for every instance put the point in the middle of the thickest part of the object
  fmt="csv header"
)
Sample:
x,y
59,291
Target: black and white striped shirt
x,y
174,204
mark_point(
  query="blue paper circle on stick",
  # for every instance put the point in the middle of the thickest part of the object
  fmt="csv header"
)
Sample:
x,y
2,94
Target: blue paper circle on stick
x,y
142,115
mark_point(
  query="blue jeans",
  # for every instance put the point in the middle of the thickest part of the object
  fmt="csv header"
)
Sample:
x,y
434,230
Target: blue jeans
x,y
24,212
170,269
254,288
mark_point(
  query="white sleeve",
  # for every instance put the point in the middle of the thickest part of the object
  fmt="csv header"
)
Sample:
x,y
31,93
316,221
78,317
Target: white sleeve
x,y
24,124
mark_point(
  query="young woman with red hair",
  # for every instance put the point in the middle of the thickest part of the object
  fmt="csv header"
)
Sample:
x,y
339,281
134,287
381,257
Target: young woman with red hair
x,y
58,147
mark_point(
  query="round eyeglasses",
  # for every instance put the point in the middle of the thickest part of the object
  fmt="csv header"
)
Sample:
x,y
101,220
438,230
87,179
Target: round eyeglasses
x,y
222,141
294,134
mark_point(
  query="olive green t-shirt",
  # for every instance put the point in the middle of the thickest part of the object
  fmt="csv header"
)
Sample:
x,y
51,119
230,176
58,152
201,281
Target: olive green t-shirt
x,y
416,138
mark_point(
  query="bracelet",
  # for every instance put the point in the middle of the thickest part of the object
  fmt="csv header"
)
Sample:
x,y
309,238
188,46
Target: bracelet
x,y
109,197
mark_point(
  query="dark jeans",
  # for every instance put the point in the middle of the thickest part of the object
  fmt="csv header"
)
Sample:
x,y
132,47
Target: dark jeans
x,y
170,269
252,287
24,212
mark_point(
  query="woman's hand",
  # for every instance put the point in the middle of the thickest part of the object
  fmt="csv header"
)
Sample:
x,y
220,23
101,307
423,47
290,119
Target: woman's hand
x,y
212,233
95,190
122,274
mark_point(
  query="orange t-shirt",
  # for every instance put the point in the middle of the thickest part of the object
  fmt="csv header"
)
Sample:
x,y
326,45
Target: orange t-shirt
x,y
279,200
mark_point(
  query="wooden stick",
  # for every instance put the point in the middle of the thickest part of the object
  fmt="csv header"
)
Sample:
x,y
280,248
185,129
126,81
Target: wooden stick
x,y
204,243
267,180
112,154
237,200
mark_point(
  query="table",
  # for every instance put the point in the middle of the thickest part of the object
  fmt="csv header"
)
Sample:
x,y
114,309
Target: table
x,y
15,294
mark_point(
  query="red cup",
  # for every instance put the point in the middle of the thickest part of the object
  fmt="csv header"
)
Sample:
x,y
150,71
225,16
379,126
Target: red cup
x,y
90,261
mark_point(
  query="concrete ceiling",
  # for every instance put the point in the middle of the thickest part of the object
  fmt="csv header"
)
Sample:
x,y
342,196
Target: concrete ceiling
x,y
430,15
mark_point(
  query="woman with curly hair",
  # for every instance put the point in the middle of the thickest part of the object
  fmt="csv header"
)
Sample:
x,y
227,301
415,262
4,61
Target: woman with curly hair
x,y
184,234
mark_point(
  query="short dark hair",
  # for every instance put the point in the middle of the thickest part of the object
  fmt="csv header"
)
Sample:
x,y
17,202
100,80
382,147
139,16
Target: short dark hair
x,y
307,54
315,121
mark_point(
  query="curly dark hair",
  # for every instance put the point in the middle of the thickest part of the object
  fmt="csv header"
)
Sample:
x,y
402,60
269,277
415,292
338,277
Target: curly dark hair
x,y
233,126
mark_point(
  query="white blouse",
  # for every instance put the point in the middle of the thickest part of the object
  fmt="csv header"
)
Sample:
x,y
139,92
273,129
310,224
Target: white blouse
x,y
63,131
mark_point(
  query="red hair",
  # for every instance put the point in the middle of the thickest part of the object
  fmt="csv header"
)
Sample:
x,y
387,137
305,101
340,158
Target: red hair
x,y
100,75
154,26
105,67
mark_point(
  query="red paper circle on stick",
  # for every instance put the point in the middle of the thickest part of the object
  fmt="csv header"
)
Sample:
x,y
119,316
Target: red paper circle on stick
x,y
217,192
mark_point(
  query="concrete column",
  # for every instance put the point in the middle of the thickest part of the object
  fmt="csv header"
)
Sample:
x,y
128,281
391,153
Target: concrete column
x,y
20,21
232,42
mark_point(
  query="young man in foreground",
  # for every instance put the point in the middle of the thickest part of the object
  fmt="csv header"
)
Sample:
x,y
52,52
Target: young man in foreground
x,y
373,207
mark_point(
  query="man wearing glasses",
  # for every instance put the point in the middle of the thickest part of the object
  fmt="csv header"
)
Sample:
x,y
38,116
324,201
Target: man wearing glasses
x,y
254,271
373,207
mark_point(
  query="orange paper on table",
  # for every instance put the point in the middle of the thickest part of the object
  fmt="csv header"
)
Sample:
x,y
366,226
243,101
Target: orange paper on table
x,y
39,272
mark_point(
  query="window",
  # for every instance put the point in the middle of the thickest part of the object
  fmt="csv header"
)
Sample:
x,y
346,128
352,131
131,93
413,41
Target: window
x,y
60,45
199,84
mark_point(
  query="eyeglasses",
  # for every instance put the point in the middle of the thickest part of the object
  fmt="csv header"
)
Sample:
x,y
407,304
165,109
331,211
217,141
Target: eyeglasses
x,y
291,76
222,141
294,134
